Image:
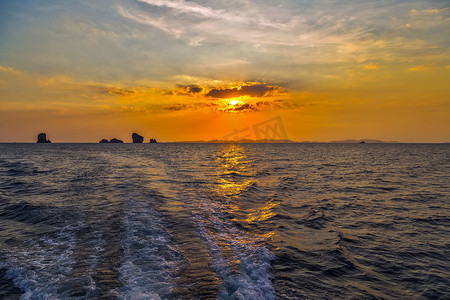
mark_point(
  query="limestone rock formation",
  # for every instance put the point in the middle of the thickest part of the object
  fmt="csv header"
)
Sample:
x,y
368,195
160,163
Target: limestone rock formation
x,y
42,138
103,141
115,141
137,138
152,141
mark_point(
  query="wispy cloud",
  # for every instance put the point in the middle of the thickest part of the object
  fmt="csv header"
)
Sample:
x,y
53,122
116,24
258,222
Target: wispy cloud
x,y
370,67
429,11
93,89
185,7
201,24
160,23
193,8
293,33
6,69
421,68
118,91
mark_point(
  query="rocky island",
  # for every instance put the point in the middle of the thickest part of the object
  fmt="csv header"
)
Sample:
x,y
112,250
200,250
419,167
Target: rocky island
x,y
113,141
137,138
116,141
42,138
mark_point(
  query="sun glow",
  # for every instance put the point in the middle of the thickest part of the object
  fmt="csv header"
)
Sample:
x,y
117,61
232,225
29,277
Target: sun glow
x,y
232,105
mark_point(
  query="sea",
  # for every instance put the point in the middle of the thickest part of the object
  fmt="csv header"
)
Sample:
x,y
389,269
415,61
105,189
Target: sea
x,y
224,221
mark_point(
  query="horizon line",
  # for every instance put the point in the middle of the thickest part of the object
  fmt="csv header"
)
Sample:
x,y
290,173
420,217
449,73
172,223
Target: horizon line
x,y
262,141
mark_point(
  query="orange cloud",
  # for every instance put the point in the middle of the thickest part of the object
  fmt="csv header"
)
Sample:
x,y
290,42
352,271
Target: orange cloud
x,y
371,67
421,68
240,106
250,89
188,90
259,106
117,91
5,69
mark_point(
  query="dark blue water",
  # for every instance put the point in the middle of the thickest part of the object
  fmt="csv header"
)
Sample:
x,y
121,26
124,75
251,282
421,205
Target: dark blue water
x,y
219,221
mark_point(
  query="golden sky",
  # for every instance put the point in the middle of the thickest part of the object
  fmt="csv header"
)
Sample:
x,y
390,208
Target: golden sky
x,y
179,70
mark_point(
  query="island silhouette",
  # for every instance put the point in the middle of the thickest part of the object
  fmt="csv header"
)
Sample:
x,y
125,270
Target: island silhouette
x,y
136,138
42,138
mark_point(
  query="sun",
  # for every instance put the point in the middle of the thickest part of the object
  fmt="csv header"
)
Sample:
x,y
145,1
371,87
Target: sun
x,y
232,105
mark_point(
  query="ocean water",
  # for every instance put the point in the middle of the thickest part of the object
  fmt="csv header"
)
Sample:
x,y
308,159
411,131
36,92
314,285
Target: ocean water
x,y
224,221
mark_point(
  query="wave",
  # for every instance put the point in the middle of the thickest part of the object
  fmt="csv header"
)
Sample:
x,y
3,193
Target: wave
x,y
42,269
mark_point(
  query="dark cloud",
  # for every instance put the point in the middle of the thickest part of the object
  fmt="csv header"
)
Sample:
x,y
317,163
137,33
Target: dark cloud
x,y
243,107
223,93
194,89
260,90
250,90
117,91
187,90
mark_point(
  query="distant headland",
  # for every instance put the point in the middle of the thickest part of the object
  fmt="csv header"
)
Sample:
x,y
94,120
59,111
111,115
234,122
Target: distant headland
x,y
366,141
285,141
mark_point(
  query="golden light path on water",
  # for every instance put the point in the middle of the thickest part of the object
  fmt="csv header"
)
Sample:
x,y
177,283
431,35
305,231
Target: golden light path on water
x,y
234,173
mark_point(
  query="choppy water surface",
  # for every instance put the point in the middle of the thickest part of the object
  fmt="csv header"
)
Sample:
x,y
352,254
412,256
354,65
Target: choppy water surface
x,y
219,221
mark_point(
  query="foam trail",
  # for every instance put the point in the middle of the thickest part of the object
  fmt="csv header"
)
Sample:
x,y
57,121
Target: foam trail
x,y
251,277
44,268
150,262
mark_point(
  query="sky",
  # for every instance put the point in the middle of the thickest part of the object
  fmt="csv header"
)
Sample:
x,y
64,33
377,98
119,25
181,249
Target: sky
x,y
183,70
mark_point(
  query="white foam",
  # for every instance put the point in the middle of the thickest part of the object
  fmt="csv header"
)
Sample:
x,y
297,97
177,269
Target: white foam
x,y
252,278
41,270
45,269
149,262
